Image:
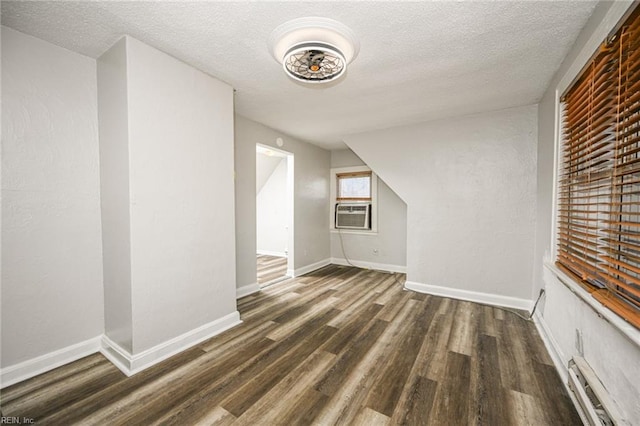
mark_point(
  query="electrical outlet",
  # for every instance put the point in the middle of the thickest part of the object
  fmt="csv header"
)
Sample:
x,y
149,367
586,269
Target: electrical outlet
x,y
578,342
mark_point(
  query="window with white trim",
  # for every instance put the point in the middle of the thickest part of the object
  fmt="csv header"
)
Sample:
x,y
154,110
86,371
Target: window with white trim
x,y
354,187
599,177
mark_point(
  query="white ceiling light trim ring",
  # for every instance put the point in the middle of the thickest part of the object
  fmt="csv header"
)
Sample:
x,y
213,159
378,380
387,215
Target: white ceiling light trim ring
x,y
313,49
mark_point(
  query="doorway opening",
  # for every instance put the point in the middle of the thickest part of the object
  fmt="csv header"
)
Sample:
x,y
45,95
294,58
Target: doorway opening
x,y
274,215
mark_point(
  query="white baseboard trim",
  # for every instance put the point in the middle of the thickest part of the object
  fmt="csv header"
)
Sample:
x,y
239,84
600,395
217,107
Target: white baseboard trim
x,y
32,367
369,265
561,363
310,268
131,364
247,290
471,296
271,253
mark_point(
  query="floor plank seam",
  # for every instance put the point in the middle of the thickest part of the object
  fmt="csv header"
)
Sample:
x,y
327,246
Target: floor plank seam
x,y
339,345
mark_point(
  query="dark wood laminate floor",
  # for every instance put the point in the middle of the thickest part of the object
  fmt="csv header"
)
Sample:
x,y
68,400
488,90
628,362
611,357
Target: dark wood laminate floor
x,y
338,346
271,268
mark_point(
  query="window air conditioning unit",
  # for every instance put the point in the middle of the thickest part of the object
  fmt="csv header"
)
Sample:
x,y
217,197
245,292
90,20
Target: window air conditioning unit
x,y
353,215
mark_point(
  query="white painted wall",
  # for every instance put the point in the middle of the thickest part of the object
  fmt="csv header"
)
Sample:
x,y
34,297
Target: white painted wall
x,y
245,199
181,180
114,193
271,212
469,184
51,245
391,238
311,189
612,354
180,167
265,165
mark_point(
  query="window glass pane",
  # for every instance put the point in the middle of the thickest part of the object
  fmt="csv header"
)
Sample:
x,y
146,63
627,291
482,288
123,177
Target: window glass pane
x,y
354,187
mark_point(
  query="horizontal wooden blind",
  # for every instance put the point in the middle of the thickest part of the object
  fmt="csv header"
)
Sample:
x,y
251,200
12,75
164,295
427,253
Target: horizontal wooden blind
x,y
352,175
599,184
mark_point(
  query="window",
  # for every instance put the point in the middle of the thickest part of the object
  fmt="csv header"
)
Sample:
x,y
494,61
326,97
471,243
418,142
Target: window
x,y
354,186
599,180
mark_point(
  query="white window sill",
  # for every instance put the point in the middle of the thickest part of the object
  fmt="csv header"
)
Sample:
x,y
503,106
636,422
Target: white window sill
x,y
603,312
353,232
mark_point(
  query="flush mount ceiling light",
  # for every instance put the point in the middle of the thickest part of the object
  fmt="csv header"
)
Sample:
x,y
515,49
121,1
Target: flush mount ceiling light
x,y
313,50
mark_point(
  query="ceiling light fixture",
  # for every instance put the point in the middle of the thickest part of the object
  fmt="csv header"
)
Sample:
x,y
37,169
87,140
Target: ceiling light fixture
x,y
313,50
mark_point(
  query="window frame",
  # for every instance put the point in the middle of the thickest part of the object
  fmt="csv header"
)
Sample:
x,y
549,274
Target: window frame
x,y
333,198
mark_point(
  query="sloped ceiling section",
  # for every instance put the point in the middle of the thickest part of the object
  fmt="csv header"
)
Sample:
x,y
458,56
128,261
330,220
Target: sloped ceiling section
x,y
265,166
418,61
469,184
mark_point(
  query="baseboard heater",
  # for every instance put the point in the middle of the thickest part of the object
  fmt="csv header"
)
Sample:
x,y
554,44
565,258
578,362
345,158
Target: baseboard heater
x,y
595,406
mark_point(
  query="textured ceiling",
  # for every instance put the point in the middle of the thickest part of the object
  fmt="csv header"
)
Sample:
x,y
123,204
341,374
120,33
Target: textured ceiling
x,y
418,61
